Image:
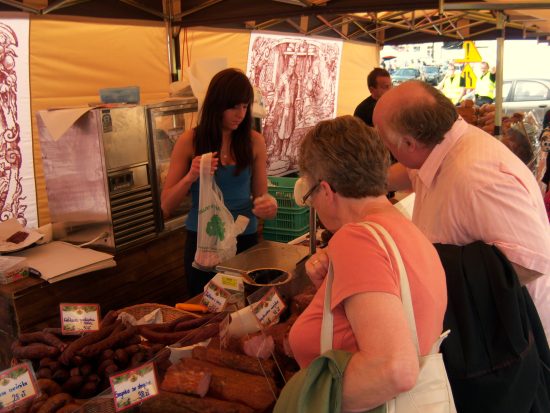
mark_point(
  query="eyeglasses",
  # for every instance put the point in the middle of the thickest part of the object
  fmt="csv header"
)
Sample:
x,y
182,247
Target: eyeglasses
x,y
307,197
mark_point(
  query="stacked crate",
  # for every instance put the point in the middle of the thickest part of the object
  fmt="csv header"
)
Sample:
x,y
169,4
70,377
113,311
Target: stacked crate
x,y
291,220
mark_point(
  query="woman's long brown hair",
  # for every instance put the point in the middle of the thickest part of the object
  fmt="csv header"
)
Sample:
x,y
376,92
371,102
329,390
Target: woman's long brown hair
x,y
228,88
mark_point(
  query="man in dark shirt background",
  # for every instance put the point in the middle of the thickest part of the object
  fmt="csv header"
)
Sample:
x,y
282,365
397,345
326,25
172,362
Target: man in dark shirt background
x,y
379,82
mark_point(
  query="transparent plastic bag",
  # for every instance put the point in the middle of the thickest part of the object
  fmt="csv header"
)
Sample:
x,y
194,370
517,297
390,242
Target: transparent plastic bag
x,y
217,230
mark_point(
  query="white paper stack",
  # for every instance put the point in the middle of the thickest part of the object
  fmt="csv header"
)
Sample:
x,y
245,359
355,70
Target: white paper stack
x,y
58,260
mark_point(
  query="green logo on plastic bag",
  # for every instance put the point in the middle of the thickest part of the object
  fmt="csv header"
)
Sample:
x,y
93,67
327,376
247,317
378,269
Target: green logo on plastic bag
x,y
216,227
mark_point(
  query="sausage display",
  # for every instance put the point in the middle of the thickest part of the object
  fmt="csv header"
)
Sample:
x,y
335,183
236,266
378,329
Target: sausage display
x,y
193,381
80,367
252,390
232,360
180,403
242,380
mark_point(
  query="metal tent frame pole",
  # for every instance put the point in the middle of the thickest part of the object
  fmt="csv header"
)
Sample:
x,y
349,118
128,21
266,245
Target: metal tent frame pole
x,y
499,73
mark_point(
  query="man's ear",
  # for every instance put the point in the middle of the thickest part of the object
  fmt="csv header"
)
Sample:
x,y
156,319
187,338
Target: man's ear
x,y
409,143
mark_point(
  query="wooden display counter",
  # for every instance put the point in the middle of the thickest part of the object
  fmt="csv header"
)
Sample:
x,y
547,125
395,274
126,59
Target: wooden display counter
x,y
152,272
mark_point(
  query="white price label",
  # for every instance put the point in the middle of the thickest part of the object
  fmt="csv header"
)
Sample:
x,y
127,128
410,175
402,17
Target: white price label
x,y
267,310
215,297
17,386
134,386
79,318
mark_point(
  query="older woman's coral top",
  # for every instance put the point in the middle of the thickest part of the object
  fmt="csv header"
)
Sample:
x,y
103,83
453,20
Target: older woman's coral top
x,y
361,266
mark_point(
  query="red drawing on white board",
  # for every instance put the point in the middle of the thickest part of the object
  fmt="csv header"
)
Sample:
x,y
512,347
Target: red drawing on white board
x,y
10,153
297,78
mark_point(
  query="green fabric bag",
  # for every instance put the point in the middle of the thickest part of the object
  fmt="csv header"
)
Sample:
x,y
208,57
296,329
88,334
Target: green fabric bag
x,y
318,389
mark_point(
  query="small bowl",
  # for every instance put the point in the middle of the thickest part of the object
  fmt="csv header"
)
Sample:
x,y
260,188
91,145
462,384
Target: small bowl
x,y
263,277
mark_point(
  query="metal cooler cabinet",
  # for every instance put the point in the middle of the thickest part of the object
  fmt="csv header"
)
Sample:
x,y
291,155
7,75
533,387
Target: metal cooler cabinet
x,y
98,179
166,122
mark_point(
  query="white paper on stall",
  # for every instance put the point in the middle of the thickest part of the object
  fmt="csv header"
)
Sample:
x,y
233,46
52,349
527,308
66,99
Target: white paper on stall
x,y
243,322
58,260
201,72
58,121
10,227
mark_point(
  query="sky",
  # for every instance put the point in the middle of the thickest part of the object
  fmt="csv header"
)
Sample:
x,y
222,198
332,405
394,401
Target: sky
x,y
522,58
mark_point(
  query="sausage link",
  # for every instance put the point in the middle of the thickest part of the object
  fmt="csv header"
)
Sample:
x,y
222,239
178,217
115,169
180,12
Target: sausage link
x,y
119,335
195,322
33,351
109,318
200,334
86,340
42,337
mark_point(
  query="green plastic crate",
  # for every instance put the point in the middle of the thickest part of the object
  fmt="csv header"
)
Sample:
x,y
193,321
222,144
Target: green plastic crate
x,y
282,189
280,235
289,219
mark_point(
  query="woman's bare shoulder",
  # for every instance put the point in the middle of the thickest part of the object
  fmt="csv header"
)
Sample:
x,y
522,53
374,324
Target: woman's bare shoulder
x,y
185,144
258,140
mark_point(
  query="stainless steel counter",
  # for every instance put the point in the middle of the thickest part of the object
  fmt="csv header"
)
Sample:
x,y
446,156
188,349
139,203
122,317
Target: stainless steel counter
x,y
267,254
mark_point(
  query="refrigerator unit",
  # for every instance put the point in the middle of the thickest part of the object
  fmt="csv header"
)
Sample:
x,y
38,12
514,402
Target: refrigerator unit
x,y
98,177
166,122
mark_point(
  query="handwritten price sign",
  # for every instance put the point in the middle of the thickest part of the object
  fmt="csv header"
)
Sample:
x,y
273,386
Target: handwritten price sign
x,y
17,386
267,310
215,297
79,318
134,386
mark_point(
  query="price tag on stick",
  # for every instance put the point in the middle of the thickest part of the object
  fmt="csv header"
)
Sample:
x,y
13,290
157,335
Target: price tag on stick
x,y
269,307
134,386
79,318
215,297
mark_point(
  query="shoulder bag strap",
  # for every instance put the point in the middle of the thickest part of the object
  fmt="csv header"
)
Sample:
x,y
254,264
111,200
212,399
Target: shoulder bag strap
x,y
406,299
327,325
328,322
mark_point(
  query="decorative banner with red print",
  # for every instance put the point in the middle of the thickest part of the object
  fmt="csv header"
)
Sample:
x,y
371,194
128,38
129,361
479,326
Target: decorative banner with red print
x,y
298,79
17,187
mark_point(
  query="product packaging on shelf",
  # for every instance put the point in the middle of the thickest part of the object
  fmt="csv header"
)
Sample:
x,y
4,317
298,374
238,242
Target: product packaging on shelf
x,y
233,284
12,269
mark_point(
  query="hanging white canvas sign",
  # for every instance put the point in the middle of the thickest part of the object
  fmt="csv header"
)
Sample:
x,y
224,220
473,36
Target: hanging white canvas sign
x,y
17,186
298,79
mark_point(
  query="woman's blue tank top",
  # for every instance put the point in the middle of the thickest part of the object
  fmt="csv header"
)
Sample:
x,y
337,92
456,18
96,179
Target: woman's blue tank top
x,y
236,195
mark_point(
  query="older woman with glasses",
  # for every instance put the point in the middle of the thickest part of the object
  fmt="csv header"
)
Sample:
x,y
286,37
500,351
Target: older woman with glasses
x,y
343,166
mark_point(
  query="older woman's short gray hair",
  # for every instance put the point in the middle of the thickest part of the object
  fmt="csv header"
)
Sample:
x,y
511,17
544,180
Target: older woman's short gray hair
x,y
348,154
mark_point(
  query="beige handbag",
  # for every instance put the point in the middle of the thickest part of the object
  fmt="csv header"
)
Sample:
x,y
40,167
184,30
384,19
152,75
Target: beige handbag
x,y
432,392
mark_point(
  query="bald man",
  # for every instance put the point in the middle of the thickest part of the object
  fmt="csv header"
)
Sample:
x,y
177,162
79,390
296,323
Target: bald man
x,y
469,186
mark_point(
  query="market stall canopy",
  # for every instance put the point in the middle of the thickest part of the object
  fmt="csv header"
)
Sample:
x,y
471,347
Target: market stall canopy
x,y
373,21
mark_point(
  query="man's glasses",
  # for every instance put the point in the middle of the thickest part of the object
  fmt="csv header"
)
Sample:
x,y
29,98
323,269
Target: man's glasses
x,y
307,197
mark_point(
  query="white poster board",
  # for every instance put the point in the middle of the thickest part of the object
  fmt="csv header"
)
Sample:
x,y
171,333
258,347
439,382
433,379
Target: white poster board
x,y
298,78
17,186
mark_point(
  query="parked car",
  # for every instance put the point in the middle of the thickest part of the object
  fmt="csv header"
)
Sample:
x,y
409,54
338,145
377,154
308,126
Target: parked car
x,y
403,74
525,95
431,75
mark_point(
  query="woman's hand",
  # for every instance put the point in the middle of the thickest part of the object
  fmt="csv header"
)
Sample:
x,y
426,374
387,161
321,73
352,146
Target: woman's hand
x,y
195,170
317,267
265,207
